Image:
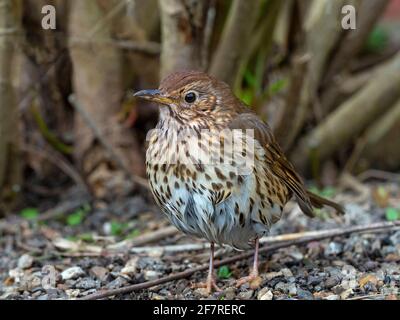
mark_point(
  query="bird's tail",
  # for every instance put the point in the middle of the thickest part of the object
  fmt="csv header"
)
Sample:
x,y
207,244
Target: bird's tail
x,y
318,202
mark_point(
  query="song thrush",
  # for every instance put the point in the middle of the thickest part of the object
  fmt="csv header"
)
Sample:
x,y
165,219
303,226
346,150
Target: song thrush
x,y
215,168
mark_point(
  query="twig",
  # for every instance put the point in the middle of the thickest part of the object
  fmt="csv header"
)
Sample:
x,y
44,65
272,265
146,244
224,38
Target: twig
x,y
365,297
266,240
348,181
173,248
146,238
378,174
184,274
106,144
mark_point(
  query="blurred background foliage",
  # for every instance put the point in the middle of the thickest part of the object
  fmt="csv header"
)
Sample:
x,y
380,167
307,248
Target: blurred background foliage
x,y
331,95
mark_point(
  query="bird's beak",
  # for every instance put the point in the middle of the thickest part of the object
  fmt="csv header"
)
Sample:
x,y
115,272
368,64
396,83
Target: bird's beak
x,y
154,95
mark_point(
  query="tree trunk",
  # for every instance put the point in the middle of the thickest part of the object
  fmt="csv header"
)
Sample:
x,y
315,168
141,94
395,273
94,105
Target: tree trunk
x,y
353,116
234,41
182,32
380,144
98,87
323,16
10,169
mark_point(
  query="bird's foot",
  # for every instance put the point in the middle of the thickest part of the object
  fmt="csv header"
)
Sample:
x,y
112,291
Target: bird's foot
x,y
253,279
209,285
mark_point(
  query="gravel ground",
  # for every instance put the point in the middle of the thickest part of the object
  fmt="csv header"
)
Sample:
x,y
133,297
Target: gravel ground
x,y
52,259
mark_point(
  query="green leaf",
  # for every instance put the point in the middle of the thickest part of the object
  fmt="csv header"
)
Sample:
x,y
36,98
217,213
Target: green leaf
x,y
392,214
76,218
328,192
30,213
224,272
250,79
246,95
377,40
117,228
78,215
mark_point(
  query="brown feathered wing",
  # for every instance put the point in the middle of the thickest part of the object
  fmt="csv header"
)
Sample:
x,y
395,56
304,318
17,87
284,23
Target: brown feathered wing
x,y
279,165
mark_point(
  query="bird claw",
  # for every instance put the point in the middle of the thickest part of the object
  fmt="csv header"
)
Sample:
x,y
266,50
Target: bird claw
x,y
209,285
253,279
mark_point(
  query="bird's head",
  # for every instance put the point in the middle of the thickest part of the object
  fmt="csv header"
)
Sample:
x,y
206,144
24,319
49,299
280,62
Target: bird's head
x,y
192,97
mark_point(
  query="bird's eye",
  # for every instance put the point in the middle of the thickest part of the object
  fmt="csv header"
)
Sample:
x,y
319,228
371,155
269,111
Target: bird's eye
x,y
190,97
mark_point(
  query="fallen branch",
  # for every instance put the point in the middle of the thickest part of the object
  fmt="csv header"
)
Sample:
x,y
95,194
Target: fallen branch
x,y
379,174
266,240
143,239
172,248
184,274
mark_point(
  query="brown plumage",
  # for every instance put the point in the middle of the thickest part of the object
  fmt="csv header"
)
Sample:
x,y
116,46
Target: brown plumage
x,y
229,200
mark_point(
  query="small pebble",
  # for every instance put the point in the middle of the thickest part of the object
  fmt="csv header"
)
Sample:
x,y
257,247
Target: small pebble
x,y
349,271
131,267
72,293
25,261
271,275
245,295
16,274
296,254
117,283
289,288
99,272
87,283
72,273
265,294
151,275
370,265
287,273
349,284
345,294
304,294
370,278
395,238
292,289
333,248
314,280
331,282
230,293
155,296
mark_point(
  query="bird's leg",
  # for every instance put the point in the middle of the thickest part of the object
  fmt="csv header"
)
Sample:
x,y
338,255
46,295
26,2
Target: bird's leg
x,y
253,278
210,284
